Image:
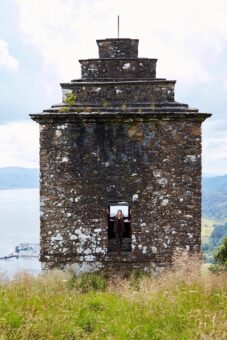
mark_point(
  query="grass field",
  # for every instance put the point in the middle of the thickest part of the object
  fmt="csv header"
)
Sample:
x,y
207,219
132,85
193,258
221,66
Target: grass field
x,y
188,303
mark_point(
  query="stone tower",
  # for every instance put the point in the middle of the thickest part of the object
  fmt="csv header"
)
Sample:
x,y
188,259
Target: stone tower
x,y
119,140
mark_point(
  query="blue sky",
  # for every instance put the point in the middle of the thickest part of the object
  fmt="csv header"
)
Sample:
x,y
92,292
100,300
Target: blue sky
x,y
41,41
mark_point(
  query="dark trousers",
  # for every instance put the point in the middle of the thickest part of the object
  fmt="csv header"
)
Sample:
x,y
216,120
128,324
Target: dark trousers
x,y
119,238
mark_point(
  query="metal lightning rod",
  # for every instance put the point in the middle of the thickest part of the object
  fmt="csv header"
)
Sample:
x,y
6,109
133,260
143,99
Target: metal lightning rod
x,y
118,26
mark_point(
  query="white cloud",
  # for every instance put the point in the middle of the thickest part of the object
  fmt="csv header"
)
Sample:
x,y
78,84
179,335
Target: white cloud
x,y
215,153
19,144
187,36
6,59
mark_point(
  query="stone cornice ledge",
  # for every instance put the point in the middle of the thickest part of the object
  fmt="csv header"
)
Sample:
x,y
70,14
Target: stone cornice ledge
x,y
105,116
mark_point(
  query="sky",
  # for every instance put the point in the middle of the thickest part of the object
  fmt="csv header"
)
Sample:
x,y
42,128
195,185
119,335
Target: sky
x,y
41,42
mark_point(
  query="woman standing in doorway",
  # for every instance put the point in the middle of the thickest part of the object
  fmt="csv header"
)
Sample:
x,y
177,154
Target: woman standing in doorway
x,y
119,228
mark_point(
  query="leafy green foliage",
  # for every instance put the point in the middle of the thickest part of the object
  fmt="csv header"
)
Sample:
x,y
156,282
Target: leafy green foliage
x,y
69,99
220,254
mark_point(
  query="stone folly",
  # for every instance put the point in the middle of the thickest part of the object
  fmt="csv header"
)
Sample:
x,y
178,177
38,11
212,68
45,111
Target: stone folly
x,y
119,136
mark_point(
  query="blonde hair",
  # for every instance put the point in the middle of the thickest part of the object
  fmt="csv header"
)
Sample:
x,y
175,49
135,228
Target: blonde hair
x,y
121,213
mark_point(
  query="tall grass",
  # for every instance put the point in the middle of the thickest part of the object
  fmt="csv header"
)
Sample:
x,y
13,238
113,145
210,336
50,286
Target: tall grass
x,y
182,303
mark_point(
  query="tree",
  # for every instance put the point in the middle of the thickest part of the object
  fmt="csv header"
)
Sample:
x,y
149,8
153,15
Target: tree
x,y
220,254
220,257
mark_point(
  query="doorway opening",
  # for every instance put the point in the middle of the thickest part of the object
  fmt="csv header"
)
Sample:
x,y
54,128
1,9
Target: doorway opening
x,y
126,241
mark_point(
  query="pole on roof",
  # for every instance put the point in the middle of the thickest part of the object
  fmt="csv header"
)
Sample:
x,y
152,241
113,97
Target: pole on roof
x,y
118,26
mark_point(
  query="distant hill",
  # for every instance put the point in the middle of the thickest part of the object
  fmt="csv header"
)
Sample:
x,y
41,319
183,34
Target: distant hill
x,y
18,178
215,197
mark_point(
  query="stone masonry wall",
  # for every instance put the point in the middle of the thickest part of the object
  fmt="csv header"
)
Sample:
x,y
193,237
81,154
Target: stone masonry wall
x,y
154,165
118,48
122,93
141,68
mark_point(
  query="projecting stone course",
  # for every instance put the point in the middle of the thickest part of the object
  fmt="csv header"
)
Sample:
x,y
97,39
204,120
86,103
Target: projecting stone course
x,y
120,140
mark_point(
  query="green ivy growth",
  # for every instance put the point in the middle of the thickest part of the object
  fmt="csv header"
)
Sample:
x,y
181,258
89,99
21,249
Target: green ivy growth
x,y
69,99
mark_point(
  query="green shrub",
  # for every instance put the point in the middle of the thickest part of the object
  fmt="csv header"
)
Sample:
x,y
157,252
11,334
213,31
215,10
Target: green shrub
x,y
220,254
220,257
70,99
88,282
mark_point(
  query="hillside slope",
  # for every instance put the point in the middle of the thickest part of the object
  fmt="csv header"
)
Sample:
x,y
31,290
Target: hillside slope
x,y
214,197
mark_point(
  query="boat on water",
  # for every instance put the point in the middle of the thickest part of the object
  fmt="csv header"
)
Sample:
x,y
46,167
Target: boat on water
x,y
23,250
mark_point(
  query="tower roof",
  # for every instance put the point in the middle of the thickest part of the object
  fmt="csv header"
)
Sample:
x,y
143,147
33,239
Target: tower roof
x,y
119,83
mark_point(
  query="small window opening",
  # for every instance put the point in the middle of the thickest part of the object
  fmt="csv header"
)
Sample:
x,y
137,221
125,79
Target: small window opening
x,y
118,240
